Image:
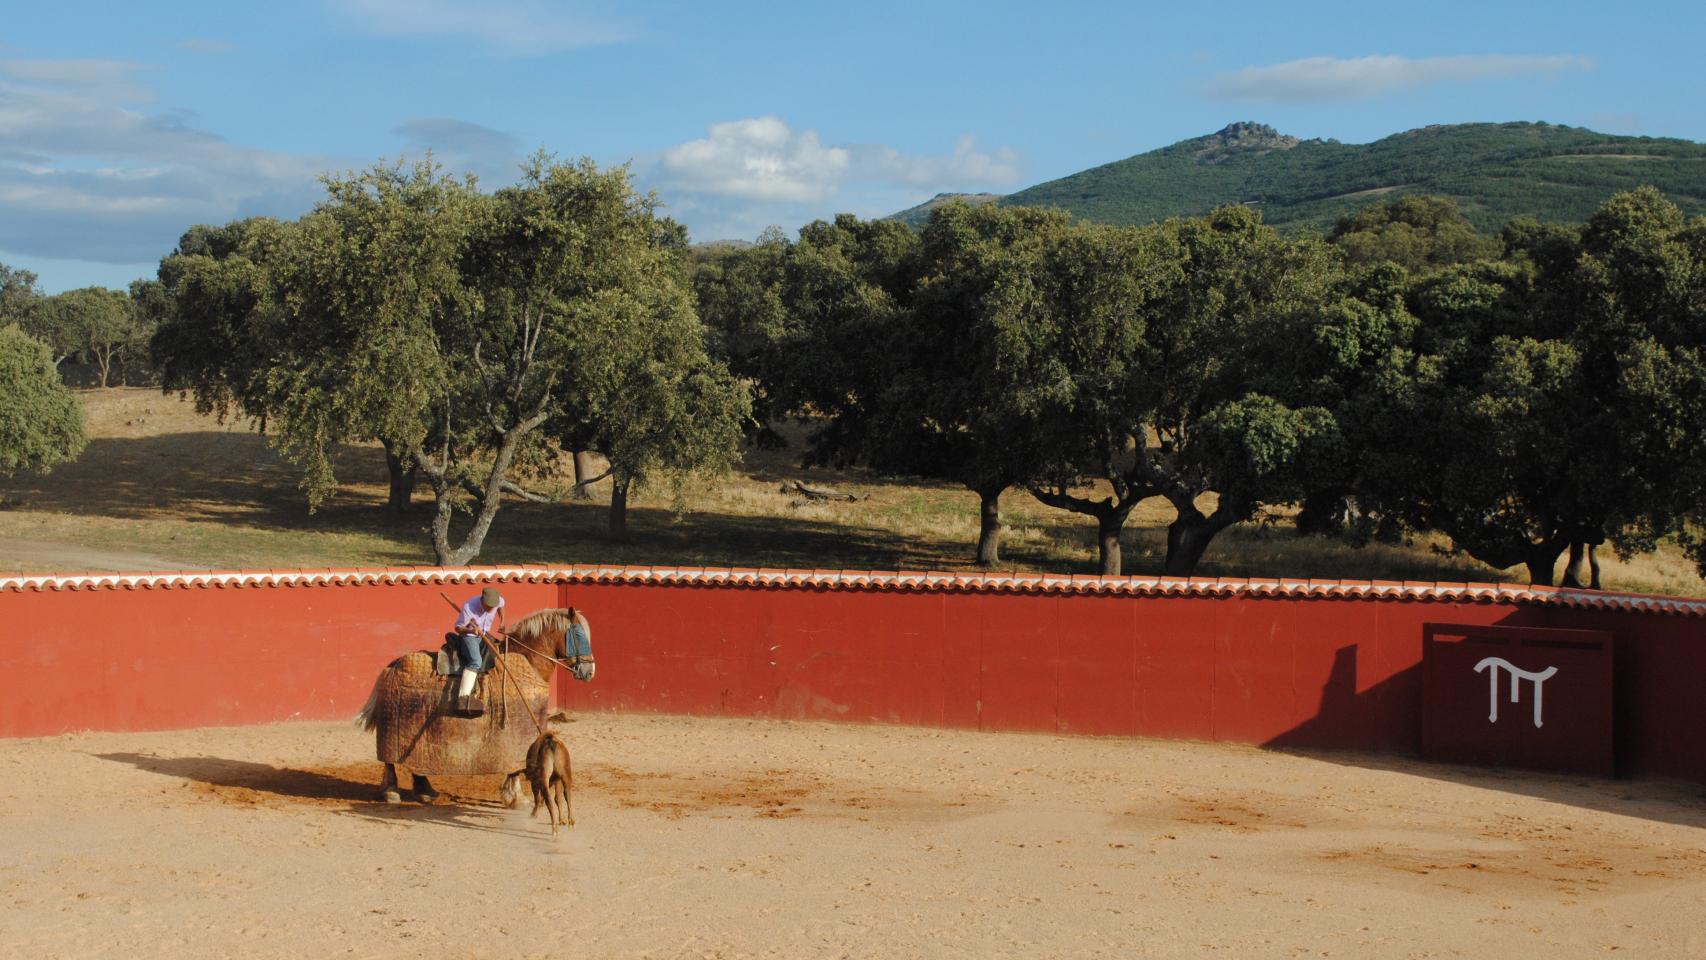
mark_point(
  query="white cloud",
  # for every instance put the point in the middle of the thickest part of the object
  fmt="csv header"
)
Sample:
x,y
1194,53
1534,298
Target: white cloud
x,y
758,159
965,167
747,174
1333,78
85,175
764,159
104,79
510,27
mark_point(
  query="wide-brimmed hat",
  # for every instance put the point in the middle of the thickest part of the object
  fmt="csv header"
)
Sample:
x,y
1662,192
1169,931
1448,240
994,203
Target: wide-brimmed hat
x,y
491,598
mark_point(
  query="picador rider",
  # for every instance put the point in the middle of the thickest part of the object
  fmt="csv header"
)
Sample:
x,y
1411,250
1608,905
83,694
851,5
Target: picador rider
x,y
474,626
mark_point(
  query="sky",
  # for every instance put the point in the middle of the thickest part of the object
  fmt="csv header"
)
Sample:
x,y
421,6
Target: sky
x,y
122,123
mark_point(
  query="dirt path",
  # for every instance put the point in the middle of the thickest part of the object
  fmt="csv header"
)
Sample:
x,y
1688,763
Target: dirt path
x,y
731,838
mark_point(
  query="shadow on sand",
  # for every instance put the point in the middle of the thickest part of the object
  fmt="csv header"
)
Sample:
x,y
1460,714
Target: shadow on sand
x,y
348,790
1343,707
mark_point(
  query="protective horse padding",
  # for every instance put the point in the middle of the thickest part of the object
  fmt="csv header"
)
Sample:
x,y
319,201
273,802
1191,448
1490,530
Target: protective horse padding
x,y
416,728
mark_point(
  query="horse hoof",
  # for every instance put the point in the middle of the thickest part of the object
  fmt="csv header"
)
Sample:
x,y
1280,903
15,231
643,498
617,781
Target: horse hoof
x,y
426,796
391,796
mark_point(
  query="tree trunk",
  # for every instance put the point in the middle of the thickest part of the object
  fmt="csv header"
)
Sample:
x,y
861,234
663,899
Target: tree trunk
x,y
1322,513
402,482
619,509
989,529
444,488
1187,541
1190,533
583,475
104,361
1593,566
1573,568
1542,560
1108,541
443,508
1110,515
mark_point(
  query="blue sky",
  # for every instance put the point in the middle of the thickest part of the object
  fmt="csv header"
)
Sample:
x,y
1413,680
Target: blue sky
x,y
121,124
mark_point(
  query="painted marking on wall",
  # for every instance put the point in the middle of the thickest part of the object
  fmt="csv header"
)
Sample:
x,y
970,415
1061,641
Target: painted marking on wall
x,y
1493,665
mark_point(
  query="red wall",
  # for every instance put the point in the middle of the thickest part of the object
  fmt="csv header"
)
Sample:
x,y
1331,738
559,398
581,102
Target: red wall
x,y
1217,663
165,658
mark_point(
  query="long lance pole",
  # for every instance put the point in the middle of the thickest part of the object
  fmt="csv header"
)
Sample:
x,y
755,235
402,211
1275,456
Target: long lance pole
x,y
497,658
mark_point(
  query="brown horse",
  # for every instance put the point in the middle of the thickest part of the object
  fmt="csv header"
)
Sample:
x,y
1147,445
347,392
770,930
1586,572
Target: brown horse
x,y
414,726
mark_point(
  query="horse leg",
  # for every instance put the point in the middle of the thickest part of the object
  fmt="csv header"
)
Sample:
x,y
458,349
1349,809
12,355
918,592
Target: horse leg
x,y
388,785
423,790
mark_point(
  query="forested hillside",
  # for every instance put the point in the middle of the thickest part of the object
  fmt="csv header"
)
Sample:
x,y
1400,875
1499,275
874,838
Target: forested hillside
x,y
1494,171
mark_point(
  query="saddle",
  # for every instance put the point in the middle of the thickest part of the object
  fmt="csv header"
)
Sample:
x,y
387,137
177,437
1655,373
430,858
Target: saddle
x,y
447,659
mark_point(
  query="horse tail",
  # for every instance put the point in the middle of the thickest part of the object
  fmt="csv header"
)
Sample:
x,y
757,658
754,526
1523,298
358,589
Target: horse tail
x,y
368,718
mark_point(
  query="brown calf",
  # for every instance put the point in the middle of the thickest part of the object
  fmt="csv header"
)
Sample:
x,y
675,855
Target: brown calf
x,y
548,772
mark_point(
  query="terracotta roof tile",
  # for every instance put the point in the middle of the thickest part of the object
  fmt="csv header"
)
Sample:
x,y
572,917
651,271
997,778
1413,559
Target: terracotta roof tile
x,y
910,580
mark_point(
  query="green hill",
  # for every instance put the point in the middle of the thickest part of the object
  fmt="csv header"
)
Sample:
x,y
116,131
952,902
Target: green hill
x,y
917,216
1495,171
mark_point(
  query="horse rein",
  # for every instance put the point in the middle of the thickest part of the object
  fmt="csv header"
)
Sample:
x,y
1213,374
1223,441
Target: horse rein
x,y
509,679
559,661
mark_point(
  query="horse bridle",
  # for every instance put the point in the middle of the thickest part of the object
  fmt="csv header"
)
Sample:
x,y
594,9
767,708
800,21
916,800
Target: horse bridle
x,y
559,661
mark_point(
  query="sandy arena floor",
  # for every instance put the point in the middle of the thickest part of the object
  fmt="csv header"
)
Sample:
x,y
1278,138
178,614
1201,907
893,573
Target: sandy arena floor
x,y
733,838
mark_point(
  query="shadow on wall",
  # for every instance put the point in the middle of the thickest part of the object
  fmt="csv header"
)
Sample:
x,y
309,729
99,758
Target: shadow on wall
x,y
1343,706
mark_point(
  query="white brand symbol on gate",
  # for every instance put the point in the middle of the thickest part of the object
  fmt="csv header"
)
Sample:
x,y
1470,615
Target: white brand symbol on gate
x,y
1517,675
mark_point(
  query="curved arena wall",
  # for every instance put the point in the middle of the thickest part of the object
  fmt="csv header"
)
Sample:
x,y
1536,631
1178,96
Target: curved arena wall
x,y
1333,664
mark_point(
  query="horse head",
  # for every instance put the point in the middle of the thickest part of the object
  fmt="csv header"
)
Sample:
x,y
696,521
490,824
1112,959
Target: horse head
x,y
544,637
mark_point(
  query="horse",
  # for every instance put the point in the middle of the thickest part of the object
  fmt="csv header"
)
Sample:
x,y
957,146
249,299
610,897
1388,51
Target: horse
x,y
409,709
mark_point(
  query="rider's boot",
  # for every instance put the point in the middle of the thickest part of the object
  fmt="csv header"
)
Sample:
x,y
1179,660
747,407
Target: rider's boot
x,y
467,704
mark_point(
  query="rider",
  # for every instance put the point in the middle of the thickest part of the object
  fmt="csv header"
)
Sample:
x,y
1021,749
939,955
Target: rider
x,y
474,621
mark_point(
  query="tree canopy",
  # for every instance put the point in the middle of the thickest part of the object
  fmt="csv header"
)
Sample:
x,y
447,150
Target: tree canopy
x,y
41,422
1417,232
461,330
217,339
1541,391
1550,400
18,295
96,323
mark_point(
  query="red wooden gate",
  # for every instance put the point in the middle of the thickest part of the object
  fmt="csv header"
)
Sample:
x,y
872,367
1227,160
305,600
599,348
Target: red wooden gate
x,y
1518,697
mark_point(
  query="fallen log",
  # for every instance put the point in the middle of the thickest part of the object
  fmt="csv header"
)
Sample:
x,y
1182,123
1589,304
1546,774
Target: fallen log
x,y
821,493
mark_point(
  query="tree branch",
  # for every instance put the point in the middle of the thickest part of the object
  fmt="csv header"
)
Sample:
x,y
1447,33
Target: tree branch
x,y
1061,499
507,486
588,483
819,493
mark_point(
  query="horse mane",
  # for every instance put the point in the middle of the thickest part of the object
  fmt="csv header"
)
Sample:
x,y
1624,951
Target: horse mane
x,y
542,629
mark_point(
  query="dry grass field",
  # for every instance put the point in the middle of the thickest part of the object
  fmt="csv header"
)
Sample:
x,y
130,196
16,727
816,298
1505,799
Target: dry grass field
x,y
161,487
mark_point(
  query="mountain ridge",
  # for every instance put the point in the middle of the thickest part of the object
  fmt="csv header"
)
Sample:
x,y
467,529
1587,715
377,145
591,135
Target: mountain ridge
x,y
1495,172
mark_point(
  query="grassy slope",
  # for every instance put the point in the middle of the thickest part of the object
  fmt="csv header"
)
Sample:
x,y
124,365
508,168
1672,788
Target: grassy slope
x,y
158,479
918,216
1495,171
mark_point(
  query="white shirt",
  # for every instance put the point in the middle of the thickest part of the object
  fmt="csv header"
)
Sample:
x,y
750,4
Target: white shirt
x,y
476,613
